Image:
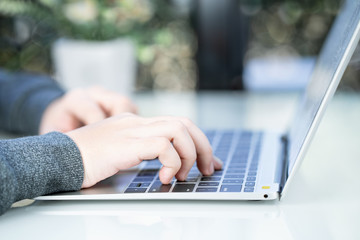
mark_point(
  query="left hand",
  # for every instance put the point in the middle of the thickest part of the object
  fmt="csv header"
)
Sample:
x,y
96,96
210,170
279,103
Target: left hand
x,y
126,140
81,107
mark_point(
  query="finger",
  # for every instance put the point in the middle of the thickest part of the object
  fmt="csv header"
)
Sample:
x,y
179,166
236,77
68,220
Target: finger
x,y
218,164
123,104
205,158
112,102
160,147
176,133
85,110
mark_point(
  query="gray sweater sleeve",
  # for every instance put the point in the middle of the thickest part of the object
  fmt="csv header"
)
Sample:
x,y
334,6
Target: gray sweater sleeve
x,y
23,99
34,166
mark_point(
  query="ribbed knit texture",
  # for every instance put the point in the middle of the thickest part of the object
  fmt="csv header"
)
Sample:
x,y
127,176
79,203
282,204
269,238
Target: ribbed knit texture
x,y
39,165
34,166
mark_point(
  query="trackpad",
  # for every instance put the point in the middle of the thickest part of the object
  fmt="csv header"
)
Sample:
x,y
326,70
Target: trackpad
x,y
115,184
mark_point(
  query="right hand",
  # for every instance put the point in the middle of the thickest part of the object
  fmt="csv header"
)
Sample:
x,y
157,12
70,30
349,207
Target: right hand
x,y
81,107
124,141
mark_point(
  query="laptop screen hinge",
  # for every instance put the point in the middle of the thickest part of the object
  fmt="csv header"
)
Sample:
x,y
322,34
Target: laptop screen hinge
x,y
284,175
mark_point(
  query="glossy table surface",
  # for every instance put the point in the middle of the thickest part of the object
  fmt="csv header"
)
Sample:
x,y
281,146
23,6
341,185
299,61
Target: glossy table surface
x,y
323,202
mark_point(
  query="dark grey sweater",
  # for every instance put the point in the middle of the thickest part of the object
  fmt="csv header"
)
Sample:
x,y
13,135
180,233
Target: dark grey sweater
x,y
37,165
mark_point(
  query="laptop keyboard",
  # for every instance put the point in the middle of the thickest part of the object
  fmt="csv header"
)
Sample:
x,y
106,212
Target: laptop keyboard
x,y
239,152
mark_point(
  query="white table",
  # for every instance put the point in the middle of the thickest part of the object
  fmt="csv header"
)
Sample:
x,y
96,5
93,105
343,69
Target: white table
x,y
323,202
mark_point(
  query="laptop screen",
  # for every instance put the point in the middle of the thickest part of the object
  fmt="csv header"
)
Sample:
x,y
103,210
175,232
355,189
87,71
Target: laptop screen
x,y
331,63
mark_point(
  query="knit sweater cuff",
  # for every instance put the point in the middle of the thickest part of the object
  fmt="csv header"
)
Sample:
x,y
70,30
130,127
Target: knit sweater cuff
x,y
40,165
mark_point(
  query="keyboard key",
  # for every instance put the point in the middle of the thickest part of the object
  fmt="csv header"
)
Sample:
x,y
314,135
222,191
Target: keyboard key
x,y
252,173
192,179
153,163
230,188
235,181
243,147
193,175
155,188
250,184
248,189
137,185
209,184
143,179
152,166
239,176
146,173
256,155
251,179
209,189
237,165
236,170
183,188
239,159
158,182
158,179
209,178
242,154
218,173
135,190
188,180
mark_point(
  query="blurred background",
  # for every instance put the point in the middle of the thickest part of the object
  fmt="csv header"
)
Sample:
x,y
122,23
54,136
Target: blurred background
x,y
175,44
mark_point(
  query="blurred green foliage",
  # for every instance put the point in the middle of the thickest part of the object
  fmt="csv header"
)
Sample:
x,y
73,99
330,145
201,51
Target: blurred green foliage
x,y
29,27
165,42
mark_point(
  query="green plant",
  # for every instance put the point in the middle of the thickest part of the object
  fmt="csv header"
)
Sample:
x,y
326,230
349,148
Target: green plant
x,y
158,31
83,19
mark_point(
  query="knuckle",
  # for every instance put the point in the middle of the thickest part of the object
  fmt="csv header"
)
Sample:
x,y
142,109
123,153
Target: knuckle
x,y
92,117
124,118
178,126
186,121
177,165
75,94
193,156
164,144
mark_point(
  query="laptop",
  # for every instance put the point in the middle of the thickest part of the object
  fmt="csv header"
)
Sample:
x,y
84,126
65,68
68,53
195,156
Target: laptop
x,y
257,165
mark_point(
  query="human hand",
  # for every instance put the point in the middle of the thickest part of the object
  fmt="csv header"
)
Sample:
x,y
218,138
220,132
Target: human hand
x,y
81,107
124,141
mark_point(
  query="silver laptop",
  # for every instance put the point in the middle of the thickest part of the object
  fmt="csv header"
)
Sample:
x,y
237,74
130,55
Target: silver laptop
x,y
257,165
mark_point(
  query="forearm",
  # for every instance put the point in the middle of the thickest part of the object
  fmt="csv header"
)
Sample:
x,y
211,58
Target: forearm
x,y
34,166
23,99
